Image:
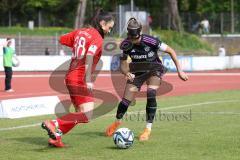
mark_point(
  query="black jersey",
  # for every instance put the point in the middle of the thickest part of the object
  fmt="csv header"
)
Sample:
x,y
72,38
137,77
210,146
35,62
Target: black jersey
x,y
144,55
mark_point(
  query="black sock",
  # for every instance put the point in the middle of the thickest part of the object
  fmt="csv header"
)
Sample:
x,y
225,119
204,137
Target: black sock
x,y
151,106
122,108
150,114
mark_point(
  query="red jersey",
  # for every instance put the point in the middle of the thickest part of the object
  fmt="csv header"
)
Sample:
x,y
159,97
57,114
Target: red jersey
x,y
85,41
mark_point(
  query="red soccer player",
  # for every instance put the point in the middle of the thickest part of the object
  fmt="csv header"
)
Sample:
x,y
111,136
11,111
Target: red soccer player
x,y
86,44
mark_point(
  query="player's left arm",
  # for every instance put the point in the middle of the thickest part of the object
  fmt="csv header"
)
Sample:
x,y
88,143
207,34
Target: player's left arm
x,y
165,48
88,71
92,50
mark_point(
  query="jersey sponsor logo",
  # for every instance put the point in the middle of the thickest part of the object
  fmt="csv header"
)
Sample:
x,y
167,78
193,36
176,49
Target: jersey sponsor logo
x,y
139,56
93,48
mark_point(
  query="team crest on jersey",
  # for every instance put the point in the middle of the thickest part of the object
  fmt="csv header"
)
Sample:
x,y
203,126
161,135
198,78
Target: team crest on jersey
x,y
93,48
147,49
150,54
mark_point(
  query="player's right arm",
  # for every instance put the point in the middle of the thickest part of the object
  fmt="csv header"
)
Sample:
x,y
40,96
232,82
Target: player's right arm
x,y
125,46
68,39
124,67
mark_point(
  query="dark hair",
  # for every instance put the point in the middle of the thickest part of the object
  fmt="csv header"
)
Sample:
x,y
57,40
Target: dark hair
x,y
134,27
8,39
101,15
133,24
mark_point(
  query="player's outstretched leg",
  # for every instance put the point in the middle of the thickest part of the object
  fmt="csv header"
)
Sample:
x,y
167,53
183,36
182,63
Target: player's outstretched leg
x,y
62,125
54,133
122,109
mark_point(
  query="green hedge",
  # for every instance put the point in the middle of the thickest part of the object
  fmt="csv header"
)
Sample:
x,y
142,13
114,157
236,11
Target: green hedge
x,y
184,42
46,31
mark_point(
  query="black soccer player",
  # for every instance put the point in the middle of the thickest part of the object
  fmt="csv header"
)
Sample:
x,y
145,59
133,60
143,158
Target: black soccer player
x,y
145,67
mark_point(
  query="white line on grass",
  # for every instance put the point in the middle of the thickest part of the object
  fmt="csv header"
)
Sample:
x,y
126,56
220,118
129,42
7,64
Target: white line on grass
x,y
209,113
162,109
181,106
19,127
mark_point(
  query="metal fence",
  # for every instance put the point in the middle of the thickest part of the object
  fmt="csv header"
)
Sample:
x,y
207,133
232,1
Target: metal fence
x,y
220,23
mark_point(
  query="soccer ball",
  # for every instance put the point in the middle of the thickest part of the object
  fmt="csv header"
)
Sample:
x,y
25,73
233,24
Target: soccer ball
x,y
123,138
15,61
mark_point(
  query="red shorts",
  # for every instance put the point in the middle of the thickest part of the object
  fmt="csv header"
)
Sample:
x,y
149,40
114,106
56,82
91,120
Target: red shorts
x,y
78,92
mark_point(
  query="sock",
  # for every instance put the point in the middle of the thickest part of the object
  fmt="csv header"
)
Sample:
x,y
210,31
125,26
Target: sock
x,y
151,106
122,108
68,121
65,126
150,114
149,126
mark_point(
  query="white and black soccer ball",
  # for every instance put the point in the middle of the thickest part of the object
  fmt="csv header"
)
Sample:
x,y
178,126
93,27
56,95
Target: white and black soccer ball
x,y
15,61
123,138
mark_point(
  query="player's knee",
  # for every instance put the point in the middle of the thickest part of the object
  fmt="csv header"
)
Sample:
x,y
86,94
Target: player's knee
x,y
151,97
126,102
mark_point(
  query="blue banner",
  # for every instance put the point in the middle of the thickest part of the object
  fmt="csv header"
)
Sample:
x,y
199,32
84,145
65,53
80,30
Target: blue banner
x,y
185,63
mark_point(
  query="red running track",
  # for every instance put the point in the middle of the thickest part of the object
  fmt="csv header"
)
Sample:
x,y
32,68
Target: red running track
x,y
31,84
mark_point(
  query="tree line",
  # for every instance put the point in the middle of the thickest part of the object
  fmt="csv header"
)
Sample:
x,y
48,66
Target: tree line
x,y
74,13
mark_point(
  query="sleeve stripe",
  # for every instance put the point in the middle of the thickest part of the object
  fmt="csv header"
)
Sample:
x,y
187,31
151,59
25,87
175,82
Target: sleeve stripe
x,y
151,41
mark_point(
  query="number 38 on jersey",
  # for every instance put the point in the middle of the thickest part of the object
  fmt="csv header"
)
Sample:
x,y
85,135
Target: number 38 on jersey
x,y
81,48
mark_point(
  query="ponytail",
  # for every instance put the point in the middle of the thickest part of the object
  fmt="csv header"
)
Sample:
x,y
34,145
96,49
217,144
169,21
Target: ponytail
x,y
99,16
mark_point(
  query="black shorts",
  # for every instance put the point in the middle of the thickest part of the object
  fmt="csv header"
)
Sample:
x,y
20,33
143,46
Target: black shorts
x,y
142,77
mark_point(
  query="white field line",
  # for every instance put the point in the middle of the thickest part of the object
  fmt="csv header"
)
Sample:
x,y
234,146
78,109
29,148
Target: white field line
x,y
181,106
109,75
19,127
206,113
162,109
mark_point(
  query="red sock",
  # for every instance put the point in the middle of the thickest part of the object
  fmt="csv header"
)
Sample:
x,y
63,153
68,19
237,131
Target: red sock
x,y
68,121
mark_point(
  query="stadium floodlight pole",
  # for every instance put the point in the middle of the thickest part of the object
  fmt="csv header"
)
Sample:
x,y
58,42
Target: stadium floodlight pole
x,y
232,16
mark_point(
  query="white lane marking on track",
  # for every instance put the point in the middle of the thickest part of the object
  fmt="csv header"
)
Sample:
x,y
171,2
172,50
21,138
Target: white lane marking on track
x,y
163,109
109,75
53,93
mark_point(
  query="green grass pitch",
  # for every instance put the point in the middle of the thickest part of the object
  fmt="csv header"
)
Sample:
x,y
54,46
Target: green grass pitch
x,y
196,127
